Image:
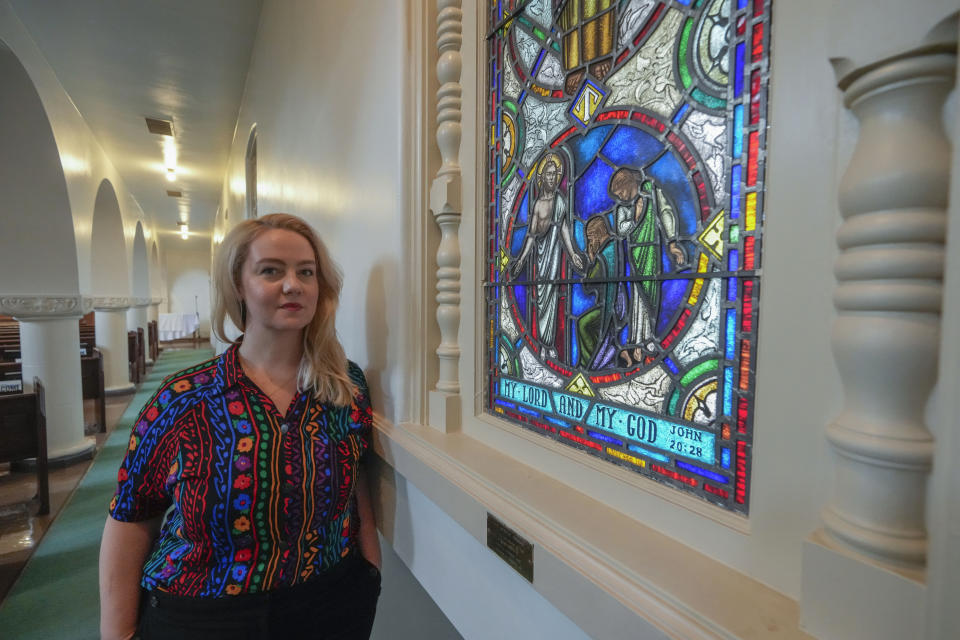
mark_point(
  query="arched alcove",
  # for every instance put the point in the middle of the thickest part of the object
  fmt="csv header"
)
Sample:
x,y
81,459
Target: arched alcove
x,y
38,251
140,284
108,254
251,173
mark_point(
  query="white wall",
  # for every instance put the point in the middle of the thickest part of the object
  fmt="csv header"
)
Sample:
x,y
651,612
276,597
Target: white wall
x,y
188,279
328,149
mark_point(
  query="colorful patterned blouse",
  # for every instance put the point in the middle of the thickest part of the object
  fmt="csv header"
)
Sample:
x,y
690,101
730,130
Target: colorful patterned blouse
x,y
260,500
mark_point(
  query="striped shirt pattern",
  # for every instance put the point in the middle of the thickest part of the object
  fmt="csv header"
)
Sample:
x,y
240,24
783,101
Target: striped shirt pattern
x,y
259,500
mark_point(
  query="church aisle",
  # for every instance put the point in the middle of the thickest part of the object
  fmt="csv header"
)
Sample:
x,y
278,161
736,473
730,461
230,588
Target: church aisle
x,y
56,595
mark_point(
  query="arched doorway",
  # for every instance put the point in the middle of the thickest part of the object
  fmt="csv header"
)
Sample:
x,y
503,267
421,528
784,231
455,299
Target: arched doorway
x,y
38,258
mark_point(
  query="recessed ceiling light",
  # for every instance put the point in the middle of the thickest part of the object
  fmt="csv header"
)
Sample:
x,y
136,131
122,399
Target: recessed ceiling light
x,y
175,194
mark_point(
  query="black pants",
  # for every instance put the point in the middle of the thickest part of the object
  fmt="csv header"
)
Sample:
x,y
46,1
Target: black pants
x,y
336,607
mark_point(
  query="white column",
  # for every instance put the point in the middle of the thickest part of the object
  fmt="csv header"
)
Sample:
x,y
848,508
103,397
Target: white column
x,y
153,311
50,351
137,319
893,197
446,205
111,327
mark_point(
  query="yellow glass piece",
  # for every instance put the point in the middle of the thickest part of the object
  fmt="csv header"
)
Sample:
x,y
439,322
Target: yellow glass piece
x,y
498,409
571,51
704,261
587,104
751,217
627,457
581,386
695,293
712,236
504,260
698,401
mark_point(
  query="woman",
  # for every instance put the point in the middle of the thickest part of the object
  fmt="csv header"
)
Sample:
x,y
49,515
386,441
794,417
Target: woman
x,y
270,531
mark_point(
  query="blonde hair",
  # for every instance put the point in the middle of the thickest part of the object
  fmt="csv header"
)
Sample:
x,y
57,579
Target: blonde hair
x,y
323,366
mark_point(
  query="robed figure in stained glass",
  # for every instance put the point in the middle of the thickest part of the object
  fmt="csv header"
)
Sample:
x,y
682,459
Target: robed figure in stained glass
x,y
589,30
548,236
598,328
645,217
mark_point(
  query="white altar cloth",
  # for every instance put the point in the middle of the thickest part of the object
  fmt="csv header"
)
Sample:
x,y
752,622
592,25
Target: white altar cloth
x,y
172,326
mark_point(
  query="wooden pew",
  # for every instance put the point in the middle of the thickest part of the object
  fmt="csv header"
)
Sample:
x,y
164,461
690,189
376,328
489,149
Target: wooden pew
x,y
141,353
132,359
10,374
91,375
153,339
91,378
23,434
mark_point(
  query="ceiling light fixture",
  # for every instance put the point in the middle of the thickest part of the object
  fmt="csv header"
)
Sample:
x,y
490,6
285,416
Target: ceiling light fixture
x,y
184,230
170,158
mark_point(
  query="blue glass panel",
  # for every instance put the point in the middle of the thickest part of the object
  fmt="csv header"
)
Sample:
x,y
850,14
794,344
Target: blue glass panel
x,y
725,458
605,438
733,260
529,412
559,423
520,293
728,391
585,147
516,244
738,131
631,147
592,194
692,468
649,454
536,65
671,175
579,235
731,333
670,365
624,334
581,299
742,4
673,293
738,72
736,173
522,211
508,405
731,289
684,1
574,348
681,112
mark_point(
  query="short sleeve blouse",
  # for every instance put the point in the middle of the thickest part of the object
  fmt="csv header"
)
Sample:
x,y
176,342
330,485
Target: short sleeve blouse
x,y
257,500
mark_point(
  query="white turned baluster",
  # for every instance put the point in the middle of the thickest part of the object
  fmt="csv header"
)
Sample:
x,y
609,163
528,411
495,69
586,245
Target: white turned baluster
x,y
893,199
446,206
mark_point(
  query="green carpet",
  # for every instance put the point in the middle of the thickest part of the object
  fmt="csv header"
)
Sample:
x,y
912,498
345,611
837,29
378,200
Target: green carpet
x,y
56,596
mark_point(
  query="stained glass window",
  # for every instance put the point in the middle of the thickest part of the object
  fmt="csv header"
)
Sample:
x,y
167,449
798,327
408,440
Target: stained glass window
x,y
625,197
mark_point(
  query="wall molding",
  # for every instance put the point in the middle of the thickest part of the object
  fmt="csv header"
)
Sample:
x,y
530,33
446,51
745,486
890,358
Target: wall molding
x,y
26,307
111,303
623,566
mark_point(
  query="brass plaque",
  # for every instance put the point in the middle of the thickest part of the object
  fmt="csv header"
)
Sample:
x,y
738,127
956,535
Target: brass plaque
x,y
513,548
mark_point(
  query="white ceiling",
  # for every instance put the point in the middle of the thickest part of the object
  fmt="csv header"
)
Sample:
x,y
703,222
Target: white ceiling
x,y
180,60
